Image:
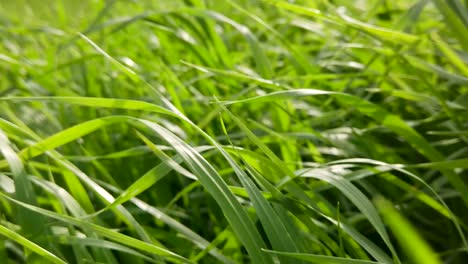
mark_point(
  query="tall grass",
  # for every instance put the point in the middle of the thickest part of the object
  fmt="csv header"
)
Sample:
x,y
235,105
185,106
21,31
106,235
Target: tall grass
x,y
227,131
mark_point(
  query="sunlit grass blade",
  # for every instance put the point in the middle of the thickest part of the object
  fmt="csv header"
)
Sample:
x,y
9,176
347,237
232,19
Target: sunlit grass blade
x,y
105,232
453,21
382,33
321,259
451,55
371,214
275,229
441,165
380,115
77,131
173,223
68,135
103,244
262,61
358,199
409,239
6,232
211,180
122,67
24,192
114,103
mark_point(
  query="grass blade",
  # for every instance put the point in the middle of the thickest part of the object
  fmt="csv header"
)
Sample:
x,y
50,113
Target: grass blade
x,y
6,232
321,259
409,239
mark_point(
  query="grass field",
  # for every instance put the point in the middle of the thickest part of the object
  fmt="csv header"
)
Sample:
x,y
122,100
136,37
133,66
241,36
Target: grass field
x,y
234,131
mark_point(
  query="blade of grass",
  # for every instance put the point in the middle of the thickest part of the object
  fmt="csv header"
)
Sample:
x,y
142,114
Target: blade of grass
x,y
276,231
451,55
380,115
211,180
6,232
453,22
185,231
321,259
411,242
358,199
32,225
105,232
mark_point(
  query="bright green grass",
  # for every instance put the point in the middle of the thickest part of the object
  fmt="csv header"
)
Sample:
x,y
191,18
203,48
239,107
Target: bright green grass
x,y
219,131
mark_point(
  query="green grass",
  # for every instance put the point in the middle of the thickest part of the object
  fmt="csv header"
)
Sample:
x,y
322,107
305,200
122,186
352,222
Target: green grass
x,y
234,131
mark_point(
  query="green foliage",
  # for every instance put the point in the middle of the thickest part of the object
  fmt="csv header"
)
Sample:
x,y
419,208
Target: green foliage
x,y
205,131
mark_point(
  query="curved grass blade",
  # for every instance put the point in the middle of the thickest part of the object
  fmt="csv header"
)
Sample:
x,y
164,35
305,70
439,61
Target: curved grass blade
x,y
240,220
103,244
105,232
274,161
212,181
262,62
32,225
76,211
129,72
149,178
236,214
100,102
379,114
6,232
441,207
443,165
381,33
275,228
173,223
66,136
453,22
411,242
357,198
321,259
452,56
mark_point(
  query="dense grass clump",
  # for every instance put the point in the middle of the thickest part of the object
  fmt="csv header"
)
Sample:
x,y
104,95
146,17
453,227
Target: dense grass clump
x,y
222,131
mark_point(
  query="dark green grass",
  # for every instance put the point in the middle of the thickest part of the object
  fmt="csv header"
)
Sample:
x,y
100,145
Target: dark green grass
x,y
233,131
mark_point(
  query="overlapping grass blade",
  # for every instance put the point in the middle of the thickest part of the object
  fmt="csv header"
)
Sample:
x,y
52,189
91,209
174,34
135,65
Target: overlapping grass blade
x,y
240,220
409,239
6,232
380,115
453,21
211,180
275,229
321,259
105,232
24,192
358,199
373,216
185,231
68,135
381,33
